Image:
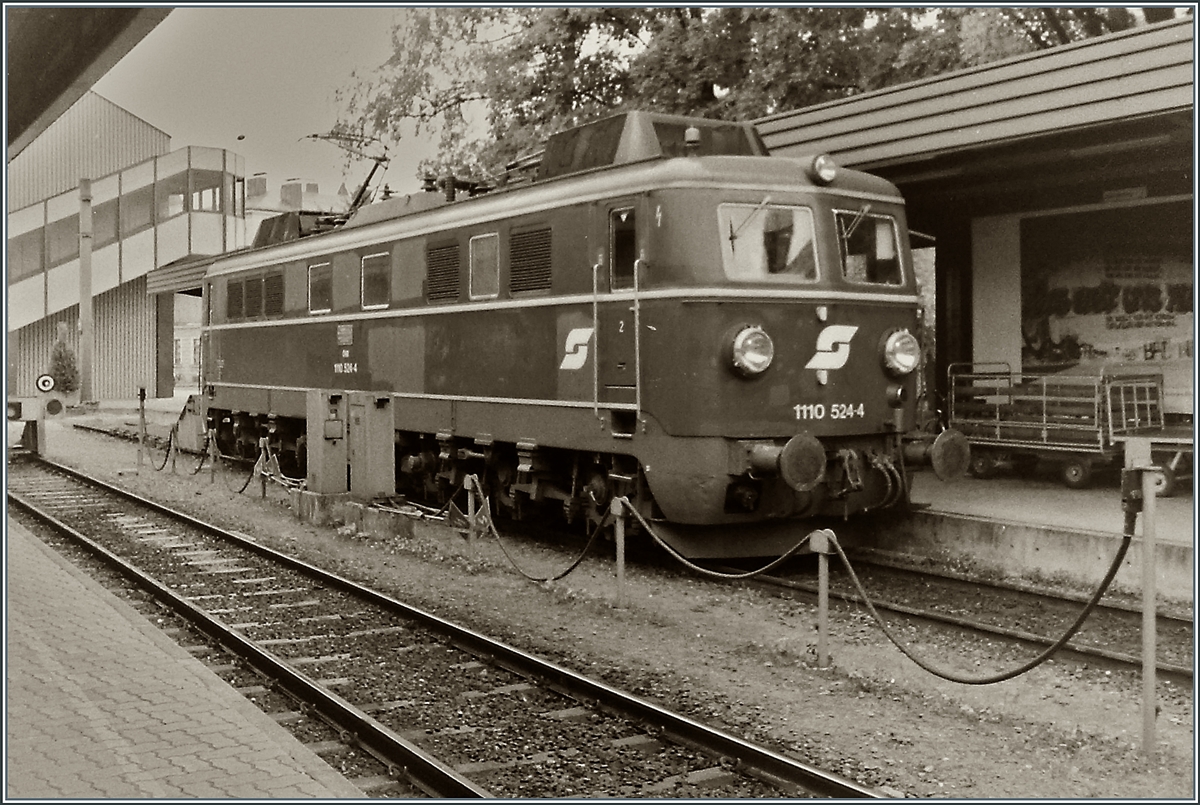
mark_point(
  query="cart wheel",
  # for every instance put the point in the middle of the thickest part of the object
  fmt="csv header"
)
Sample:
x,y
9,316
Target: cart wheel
x,y
1164,482
1077,473
983,464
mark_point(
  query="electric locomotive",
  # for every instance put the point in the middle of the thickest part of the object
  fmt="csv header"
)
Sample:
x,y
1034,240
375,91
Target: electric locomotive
x,y
663,311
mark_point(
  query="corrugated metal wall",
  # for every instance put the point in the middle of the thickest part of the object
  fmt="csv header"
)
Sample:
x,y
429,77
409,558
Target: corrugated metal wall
x,y
93,138
124,344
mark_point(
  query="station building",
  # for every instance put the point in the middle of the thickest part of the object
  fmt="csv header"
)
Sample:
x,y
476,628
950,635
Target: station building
x,y
1056,190
151,208
149,205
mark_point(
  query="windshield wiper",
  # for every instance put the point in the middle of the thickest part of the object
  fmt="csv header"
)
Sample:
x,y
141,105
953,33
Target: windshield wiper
x,y
733,233
858,218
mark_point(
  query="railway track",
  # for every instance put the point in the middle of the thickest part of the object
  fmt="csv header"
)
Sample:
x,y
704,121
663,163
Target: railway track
x,y
1111,635
443,709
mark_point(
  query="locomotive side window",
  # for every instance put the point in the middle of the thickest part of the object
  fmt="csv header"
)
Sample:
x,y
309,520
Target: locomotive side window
x,y
376,280
868,246
485,266
320,288
762,241
622,234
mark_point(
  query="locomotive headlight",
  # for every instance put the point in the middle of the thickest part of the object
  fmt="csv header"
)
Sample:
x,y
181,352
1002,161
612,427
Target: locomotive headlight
x,y
753,351
901,352
822,169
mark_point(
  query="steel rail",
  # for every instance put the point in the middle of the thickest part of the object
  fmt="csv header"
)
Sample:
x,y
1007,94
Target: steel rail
x,y
748,758
402,757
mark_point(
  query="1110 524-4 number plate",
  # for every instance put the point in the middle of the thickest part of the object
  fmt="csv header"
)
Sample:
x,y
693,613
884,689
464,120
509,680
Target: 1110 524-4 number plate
x,y
831,411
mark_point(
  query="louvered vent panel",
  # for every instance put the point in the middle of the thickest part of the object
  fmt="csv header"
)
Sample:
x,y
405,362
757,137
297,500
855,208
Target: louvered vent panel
x,y
273,295
529,261
254,297
233,301
441,273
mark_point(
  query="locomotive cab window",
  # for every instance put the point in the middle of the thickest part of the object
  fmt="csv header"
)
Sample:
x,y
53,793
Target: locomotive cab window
x,y
320,288
869,247
485,266
376,280
767,241
622,235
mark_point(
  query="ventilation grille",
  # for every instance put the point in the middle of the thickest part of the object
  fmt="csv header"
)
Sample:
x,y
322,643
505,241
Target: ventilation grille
x,y
529,261
233,300
254,297
441,272
273,295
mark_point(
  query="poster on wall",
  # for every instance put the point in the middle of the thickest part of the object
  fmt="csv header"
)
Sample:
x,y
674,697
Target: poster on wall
x,y
1098,300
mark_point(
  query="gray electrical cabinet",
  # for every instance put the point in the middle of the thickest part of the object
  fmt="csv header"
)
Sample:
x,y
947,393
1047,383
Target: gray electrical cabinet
x,y
328,445
372,439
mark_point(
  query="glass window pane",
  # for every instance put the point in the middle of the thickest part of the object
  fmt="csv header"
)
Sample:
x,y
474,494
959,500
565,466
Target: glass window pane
x,y
761,241
376,280
62,240
206,191
25,255
137,210
320,288
868,248
622,227
485,267
104,224
170,194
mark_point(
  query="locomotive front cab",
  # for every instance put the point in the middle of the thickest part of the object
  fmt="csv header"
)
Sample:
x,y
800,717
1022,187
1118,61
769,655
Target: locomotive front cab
x,y
803,353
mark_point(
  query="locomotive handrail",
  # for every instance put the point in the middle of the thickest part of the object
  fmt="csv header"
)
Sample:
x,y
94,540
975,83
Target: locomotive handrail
x,y
637,336
596,338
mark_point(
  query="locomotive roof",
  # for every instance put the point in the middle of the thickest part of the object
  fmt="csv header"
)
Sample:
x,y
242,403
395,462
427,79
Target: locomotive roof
x,y
428,213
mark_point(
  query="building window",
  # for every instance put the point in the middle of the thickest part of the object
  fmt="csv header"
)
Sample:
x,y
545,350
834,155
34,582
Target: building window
x,y
104,224
376,280
178,353
485,266
320,288
169,195
25,255
62,240
195,351
206,191
239,197
137,210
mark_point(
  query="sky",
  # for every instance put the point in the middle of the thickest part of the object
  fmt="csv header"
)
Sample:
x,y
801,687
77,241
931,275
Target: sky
x,y
209,75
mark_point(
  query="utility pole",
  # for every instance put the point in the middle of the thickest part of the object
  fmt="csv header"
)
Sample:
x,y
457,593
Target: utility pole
x,y
87,329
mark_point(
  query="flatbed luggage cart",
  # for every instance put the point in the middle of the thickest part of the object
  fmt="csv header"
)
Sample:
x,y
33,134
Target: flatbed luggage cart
x,y
1079,422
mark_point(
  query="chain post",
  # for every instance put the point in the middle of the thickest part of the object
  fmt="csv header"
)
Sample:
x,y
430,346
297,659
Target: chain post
x,y
617,508
819,541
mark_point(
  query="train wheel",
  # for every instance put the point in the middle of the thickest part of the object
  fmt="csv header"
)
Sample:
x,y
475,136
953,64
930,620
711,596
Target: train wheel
x,y
983,464
1076,473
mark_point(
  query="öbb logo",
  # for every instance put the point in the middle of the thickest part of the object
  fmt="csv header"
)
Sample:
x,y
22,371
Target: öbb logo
x,y
833,347
576,348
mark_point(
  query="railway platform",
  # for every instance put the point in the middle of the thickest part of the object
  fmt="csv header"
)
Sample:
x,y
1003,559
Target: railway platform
x,y
100,704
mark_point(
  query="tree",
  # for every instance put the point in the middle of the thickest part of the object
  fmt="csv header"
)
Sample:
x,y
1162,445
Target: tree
x,y
63,368
491,83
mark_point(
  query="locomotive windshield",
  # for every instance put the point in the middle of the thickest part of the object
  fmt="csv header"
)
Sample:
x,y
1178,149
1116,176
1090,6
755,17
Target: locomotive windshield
x,y
869,248
761,241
